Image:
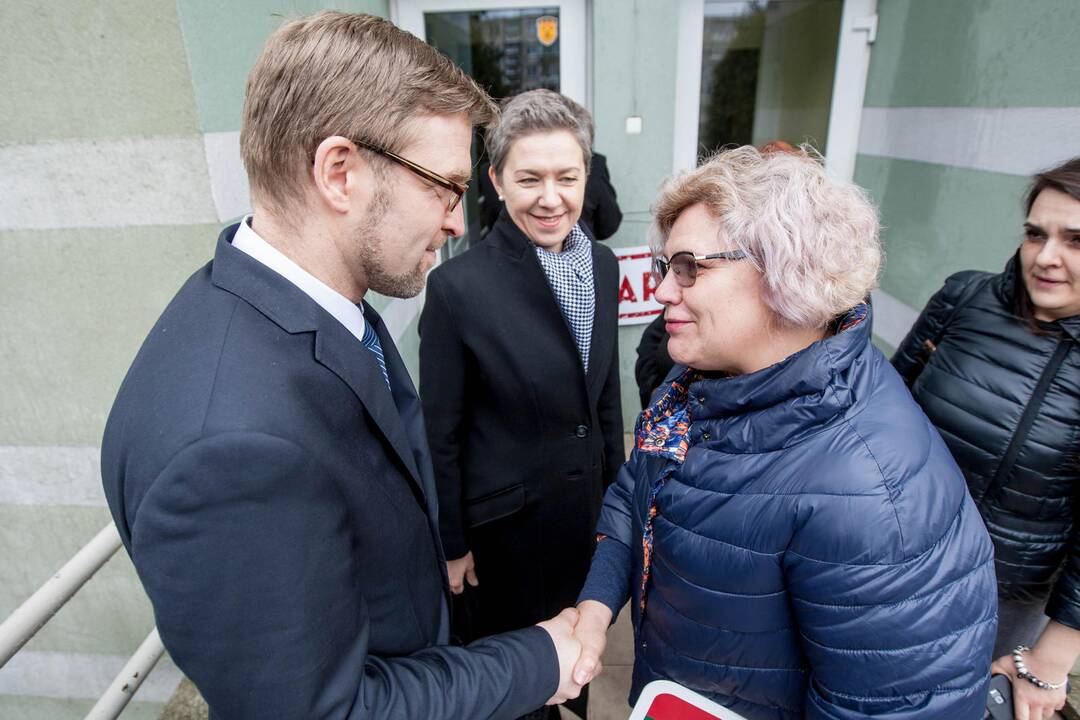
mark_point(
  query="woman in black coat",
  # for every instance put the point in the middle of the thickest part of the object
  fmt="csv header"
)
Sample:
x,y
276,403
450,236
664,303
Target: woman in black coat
x,y
993,362
519,378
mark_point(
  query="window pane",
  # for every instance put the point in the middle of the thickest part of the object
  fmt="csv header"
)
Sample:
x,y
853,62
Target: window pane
x,y
766,72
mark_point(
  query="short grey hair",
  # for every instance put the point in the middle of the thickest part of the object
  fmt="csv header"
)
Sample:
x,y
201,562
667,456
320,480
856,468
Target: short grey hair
x,y
538,111
814,239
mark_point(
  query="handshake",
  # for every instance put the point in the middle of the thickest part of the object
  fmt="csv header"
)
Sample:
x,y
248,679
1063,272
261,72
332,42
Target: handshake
x,y
580,636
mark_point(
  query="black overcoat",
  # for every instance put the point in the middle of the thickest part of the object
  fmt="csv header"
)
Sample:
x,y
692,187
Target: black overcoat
x,y
523,441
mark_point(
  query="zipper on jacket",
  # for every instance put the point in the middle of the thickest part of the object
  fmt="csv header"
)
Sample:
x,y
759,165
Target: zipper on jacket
x,y
1027,419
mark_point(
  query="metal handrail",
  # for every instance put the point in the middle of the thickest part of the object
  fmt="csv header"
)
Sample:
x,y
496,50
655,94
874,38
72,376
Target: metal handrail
x,y
123,687
39,608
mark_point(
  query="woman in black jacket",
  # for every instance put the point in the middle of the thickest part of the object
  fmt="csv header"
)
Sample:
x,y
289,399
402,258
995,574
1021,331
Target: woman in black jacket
x,y
519,378
993,362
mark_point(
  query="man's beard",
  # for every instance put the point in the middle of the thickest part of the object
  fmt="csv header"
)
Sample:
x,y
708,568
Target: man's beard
x,y
373,254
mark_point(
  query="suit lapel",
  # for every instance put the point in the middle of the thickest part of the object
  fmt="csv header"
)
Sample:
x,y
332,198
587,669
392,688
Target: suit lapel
x,y
338,352
335,347
407,405
519,250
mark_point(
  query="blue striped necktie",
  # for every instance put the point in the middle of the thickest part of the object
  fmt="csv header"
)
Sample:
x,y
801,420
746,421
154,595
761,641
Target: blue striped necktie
x,y
371,342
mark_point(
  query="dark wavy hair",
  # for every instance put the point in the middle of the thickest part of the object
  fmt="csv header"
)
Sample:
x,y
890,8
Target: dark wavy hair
x,y
1063,178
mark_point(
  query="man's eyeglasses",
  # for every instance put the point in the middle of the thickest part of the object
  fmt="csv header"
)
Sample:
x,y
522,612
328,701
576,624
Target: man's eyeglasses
x,y
457,190
684,265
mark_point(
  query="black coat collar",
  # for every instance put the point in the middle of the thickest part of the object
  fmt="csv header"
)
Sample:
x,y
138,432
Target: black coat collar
x,y
507,238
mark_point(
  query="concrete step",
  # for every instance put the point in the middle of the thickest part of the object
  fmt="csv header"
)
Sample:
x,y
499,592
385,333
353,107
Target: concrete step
x,y
186,704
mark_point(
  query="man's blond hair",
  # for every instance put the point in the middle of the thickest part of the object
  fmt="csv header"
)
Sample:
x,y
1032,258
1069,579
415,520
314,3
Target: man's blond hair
x,y
345,74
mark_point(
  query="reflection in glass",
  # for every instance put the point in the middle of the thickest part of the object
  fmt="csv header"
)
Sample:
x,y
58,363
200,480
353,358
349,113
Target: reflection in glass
x,y
767,69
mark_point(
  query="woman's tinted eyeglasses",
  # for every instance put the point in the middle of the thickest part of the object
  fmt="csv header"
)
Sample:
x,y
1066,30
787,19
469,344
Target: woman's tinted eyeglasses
x,y
684,265
457,190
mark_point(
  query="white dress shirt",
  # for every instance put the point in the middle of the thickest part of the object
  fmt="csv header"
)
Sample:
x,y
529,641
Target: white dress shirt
x,y
344,310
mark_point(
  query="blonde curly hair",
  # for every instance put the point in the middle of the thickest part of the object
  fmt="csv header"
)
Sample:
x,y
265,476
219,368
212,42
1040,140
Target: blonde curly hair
x,y
814,239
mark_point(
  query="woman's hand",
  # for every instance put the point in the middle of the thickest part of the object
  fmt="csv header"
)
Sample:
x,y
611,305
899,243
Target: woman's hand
x,y
1050,659
461,570
1031,702
591,631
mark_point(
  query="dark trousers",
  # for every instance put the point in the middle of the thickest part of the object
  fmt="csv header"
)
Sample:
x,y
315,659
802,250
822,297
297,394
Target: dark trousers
x,y
531,565
579,706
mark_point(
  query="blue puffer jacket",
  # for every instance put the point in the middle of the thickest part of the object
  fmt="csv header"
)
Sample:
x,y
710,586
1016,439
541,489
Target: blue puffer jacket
x,y
817,554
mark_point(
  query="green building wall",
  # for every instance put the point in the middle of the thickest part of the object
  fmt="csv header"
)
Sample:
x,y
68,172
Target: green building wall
x,y
634,59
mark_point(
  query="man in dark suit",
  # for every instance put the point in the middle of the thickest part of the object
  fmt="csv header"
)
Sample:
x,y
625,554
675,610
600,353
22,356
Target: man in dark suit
x,y
265,459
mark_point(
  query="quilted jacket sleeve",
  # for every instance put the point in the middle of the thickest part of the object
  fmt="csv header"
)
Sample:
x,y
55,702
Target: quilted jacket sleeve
x,y
906,638
609,575
616,514
1064,605
909,357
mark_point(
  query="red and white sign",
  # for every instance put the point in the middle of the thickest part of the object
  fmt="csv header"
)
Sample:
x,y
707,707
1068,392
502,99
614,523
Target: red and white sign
x,y
665,700
637,286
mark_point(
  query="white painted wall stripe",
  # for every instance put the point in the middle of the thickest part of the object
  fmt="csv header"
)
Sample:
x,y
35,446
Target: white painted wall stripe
x,y
228,179
1016,141
50,475
892,318
105,183
81,676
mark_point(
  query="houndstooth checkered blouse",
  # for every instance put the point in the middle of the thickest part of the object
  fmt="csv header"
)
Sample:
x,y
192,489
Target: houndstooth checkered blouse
x,y
570,274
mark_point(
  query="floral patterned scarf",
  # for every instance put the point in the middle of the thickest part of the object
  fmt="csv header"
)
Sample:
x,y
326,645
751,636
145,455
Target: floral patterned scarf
x,y
663,429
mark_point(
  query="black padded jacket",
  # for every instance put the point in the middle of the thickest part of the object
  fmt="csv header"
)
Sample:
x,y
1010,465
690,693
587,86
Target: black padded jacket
x,y
1007,402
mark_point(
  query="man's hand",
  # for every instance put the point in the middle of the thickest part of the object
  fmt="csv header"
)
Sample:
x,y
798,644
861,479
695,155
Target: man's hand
x,y
561,630
461,570
591,631
1030,702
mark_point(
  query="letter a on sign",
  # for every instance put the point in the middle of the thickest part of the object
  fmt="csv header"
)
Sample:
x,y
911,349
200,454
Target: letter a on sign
x,y
547,30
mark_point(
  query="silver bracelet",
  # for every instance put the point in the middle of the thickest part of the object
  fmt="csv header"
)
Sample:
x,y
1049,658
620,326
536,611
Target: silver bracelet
x,y
1023,672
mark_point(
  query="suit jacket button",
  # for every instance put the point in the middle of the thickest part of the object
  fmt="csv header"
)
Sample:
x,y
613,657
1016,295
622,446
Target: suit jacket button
x,y
582,431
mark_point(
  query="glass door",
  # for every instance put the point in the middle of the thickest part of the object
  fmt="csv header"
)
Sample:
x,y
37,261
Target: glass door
x,y
508,47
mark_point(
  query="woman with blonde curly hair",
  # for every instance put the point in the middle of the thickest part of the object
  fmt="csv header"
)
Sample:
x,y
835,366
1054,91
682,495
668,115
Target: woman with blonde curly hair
x,y
792,532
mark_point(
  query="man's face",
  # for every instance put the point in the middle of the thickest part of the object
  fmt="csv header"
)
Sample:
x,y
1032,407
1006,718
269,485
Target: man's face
x,y
406,221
